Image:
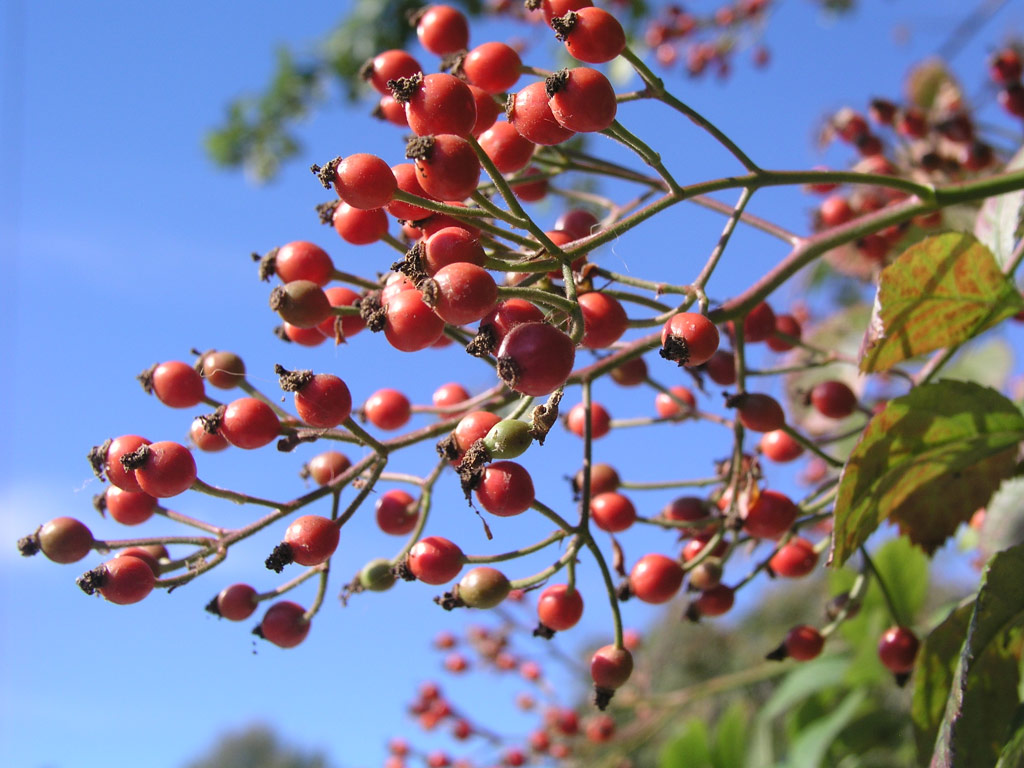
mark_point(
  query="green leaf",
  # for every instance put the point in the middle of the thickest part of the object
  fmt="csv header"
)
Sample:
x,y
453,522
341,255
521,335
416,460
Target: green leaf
x,y
926,462
805,680
689,749
941,291
1003,526
983,696
904,570
1013,753
999,220
730,744
811,744
933,676
988,362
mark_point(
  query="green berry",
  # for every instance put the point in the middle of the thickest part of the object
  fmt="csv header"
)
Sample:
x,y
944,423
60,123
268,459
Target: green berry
x,y
508,438
377,576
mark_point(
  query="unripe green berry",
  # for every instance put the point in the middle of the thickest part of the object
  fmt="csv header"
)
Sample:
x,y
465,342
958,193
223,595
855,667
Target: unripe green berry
x,y
377,576
508,438
484,587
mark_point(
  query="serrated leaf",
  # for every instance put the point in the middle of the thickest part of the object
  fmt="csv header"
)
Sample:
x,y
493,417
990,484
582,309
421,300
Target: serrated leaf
x,y
811,744
689,749
1003,526
941,291
998,222
933,676
983,696
926,462
730,744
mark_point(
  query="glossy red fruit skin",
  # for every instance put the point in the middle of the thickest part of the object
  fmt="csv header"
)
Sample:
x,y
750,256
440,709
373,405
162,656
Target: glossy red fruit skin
x,y
305,337
788,325
715,601
449,395
542,357
129,507
302,260
803,643
359,227
655,578
177,384
779,447
604,320
249,423
558,8
698,544
114,470
610,667
506,489
487,111
169,469
408,181
472,427
630,373
340,296
285,624
442,104
126,580
585,101
396,512
326,466
794,559
833,399
390,65
760,413
65,540
450,170
531,186
612,512
442,29
312,539
508,314
237,602
596,37
685,509
897,650
531,115
435,560
388,409
600,420
759,324
667,408
364,181
324,401
558,608
465,293
146,556
410,324
493,66
721,368
451,245
508,149
770,516
697,331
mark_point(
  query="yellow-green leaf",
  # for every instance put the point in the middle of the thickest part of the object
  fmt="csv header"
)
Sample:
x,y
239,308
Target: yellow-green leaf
x,y
941,291
926,463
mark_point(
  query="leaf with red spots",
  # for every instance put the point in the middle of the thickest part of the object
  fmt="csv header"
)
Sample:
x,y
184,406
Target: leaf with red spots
x,y
940,292
926,463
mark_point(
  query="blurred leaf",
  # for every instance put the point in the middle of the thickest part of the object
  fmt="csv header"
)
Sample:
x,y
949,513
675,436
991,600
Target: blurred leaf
x,y
689,749
730,745
984,696
927,80
1004,518
999,221
810,746
926,462
904,570
805,679
933,677
987,362
940,292
1013,752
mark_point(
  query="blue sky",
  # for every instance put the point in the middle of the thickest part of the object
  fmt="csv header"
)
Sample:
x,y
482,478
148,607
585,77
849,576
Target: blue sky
x,y
123,247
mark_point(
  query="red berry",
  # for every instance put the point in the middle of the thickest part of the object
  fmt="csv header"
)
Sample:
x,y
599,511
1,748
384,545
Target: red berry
x,y
388,409
465,293
612,512
324,401
495,67
114,469
126,580
306,337
600,729
1011,98
301,260
583,100
65,540
530,114
451,245
487,110
146,556
167,470
397,512
531,185
408,181
389,65
312,539
249,423
285,624
441,104
449,395
410,324
604,319
600,420
129,507
326,466
668,407
897,649
361,227
771,515
778,446
833,399
224,370
686,509
794,559
339,296
301,303
759,412
177,384
446,166
435,560
364,181
506,489
508,314
509,150
610,667
595,36
1005,66
558,608
472,427
689,338
697,545
442,29
655,578
759,324
835,210
630,373
715,601
558,8
788,325
237,602
535,358
803,643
